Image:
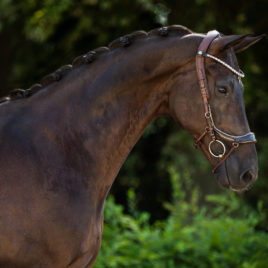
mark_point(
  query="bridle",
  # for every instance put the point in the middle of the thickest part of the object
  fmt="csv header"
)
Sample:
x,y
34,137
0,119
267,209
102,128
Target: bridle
x,y
210,128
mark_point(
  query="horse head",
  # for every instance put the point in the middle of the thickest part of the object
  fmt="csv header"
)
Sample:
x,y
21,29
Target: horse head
x,y
216,118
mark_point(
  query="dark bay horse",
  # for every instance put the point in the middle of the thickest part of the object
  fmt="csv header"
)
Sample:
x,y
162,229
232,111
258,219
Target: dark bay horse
x,y
63,141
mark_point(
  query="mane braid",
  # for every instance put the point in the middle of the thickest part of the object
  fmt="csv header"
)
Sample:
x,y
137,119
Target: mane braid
x,y
89,57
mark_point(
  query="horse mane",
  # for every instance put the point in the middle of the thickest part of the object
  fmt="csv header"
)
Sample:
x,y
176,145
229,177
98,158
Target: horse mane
x,y
91,56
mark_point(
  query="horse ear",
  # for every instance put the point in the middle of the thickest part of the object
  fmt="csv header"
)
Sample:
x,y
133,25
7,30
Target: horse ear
x,y
237,42
247,42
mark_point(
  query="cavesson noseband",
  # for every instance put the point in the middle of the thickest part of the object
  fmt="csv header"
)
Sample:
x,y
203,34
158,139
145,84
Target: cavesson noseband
x,y
211,129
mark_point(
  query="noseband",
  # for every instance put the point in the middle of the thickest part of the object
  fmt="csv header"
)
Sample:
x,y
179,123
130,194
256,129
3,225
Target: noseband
x,y
211,129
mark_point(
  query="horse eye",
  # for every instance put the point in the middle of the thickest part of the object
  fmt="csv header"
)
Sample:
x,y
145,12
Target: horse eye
x,y
222,90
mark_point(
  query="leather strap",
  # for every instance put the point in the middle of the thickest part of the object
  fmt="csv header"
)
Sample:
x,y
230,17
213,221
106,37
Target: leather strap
x,y
200,60
199,139
224,158
201,73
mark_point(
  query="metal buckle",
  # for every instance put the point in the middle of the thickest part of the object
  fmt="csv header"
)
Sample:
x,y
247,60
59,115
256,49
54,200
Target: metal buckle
x,y
223,149
208,115
235,144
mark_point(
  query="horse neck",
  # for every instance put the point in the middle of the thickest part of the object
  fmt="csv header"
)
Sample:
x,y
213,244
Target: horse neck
x,y
107,106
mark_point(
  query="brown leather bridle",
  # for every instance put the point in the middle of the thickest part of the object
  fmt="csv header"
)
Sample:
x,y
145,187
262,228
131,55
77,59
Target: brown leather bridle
x,y
211,129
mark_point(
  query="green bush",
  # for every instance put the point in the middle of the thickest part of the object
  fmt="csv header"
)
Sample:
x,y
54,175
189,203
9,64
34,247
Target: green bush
x,y
222,233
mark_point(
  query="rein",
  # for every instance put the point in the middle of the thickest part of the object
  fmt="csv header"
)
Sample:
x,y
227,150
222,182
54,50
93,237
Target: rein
x,y
211,129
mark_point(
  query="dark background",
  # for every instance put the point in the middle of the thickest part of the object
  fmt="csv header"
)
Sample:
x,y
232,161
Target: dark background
x,y
37,37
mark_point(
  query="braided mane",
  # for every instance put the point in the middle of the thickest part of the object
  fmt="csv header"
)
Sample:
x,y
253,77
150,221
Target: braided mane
x,y
91,56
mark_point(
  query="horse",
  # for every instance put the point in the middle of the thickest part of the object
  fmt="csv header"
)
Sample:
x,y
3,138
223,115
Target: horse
x,y
64,140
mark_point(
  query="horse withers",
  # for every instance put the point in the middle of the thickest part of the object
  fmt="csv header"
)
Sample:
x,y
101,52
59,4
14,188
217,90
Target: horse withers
x,y
64,140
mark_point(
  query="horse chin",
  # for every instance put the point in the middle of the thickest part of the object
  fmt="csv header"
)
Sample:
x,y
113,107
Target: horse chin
x,y
225,180
222,177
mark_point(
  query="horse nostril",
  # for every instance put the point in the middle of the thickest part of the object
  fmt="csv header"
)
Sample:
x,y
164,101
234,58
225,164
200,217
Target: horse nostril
x,y
248,176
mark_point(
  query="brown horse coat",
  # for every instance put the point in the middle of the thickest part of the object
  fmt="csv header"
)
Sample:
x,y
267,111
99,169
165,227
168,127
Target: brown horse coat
x,y
62,147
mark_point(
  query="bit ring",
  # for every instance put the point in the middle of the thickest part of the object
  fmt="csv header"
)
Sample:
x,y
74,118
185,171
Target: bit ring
x,y
223,149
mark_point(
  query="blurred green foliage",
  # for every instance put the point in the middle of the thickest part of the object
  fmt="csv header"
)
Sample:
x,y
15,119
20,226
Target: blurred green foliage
x,y
193,228
222,236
